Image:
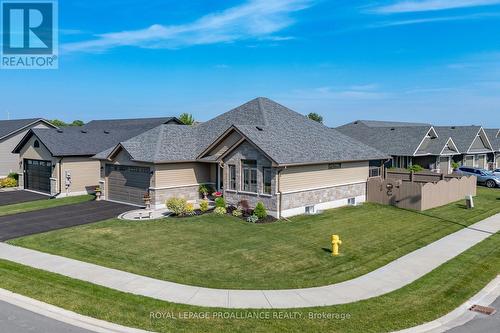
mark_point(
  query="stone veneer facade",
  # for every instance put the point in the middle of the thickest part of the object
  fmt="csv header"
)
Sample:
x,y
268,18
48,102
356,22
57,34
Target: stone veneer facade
x,y
160,196
248,152
332,195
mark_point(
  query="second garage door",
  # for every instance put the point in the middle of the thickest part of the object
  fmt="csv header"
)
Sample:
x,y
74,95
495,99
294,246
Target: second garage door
x,y
127,183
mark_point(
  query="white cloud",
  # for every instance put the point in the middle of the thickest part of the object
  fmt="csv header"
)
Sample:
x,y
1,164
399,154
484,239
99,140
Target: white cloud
x,y
431,5
396,23
357,92
253,19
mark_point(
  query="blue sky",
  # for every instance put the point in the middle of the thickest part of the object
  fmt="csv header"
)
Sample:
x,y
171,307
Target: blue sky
x,y
430,60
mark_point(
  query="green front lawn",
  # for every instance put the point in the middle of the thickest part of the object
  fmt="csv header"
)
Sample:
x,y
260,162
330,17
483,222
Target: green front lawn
x,y
225,252
42,204
425,300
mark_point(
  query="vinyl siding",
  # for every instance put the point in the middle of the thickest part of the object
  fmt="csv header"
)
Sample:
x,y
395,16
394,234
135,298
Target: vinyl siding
x,y
10,162
181,174
319,176
224,146
123,158
479,144
85,173
41,153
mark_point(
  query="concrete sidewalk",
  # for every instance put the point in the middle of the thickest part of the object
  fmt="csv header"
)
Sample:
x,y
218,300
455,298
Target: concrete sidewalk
x,y
388,278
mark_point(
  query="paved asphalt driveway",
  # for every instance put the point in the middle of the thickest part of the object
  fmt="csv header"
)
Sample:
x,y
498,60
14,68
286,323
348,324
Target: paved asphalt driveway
x,y
17,320
13,197
23,224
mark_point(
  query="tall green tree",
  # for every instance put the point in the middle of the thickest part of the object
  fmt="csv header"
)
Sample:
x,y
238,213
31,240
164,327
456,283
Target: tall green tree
x,y
186,119
316,117
77,123
58,123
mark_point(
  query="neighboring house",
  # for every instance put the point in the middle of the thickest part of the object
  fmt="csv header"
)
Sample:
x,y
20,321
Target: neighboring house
x,y
407,143
11,132
473,144
258,152
58,161
494,137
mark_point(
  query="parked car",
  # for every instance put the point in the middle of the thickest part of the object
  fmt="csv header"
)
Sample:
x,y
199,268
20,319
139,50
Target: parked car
x,y
484,177
496,172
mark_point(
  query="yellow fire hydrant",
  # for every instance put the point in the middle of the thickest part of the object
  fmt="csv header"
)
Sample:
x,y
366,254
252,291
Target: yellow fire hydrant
x,y
335,245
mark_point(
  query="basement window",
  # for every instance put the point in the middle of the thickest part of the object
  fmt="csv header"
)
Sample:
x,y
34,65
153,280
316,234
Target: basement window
x,y
351,201
310,210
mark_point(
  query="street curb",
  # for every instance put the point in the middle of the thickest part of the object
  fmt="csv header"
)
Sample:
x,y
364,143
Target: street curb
x,y
460,315
64,316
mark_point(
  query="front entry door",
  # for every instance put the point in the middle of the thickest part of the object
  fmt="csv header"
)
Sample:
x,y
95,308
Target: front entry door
x,y
444,164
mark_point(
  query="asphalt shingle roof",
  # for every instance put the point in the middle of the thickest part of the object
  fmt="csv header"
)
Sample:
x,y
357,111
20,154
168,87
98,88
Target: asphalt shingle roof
x,y
463,136
284,135
10,126
96,136
494,136
401,140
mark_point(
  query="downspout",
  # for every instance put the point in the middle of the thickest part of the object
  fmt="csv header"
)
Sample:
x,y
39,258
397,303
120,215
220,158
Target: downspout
x,y
60,175
278,191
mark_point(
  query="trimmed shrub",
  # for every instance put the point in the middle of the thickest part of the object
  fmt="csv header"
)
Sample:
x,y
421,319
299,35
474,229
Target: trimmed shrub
x,y
237,213
415,168
220,202
8,182
189,210
203,206
260,210
177,205
253,219
220,211
14,175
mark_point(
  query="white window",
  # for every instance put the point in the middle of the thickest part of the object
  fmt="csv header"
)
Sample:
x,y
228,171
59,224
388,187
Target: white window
x,y
351,201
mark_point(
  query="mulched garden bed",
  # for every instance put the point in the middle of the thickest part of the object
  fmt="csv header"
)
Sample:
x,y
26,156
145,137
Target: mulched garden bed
x,y
268,219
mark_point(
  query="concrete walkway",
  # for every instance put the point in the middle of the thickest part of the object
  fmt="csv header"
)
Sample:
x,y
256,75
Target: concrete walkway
x,y
388,278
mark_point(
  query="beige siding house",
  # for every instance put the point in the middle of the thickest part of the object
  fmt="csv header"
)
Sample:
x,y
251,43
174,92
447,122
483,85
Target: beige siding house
x,y
59,161
258,152
11,132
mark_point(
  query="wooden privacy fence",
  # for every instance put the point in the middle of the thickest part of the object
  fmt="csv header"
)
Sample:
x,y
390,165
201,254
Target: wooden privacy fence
x,y
420,195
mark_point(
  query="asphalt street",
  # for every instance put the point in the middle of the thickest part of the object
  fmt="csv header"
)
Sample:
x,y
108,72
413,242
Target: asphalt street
x,y
482,323
17,320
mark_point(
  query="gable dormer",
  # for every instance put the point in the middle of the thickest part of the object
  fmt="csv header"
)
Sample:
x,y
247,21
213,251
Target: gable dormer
x,y
481,143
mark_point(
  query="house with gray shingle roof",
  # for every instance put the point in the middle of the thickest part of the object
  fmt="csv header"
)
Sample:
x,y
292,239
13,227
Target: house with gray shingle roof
x,y
11,131
58,161
473,144
260,151
407,143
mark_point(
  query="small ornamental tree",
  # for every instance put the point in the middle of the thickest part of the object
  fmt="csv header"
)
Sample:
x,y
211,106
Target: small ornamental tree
x,y
260,210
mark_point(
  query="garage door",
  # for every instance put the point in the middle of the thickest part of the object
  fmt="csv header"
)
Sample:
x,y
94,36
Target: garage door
x,y
37,175
127,183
